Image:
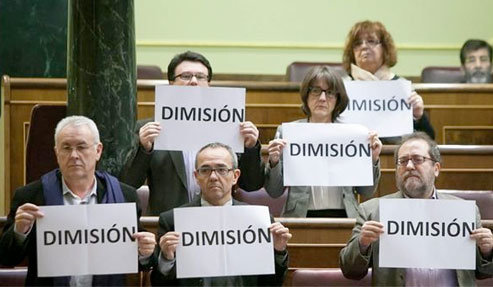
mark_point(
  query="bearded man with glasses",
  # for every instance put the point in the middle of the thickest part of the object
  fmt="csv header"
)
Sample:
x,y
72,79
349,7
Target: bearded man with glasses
x,y
169,174
475,59
417,166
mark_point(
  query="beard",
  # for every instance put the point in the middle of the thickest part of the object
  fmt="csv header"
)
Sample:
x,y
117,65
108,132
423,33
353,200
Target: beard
x,y
414,185
478,76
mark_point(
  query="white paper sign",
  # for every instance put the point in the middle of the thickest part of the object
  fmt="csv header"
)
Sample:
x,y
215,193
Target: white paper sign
x,y
380,105
418,234
192,117
232,250
326,155
65,248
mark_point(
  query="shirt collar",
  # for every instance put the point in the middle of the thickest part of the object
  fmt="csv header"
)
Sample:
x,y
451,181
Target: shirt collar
x,y
434,195
66,190
204,202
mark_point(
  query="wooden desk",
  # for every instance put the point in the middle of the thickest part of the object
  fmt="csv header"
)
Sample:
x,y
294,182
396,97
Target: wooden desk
x,y
316,242
464,167
455,110
460,113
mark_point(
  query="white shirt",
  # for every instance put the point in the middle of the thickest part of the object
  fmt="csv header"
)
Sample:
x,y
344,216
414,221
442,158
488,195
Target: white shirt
x,y
70,198
192,186
325,197
430,276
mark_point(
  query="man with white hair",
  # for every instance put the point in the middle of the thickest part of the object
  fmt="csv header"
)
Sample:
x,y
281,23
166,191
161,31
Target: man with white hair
x,y
75,182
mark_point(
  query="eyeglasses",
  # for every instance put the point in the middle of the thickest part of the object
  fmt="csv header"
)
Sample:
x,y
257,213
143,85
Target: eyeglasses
x,y
80,149
317,91
372,43
187,76
416,159
207,171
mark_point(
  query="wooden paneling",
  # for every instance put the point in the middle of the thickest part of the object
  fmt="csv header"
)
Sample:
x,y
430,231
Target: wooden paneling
x,y
316,242
309,255
478,135
268,104
465,168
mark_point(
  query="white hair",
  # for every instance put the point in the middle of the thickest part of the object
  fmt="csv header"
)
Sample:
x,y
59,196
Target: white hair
x,y
77,121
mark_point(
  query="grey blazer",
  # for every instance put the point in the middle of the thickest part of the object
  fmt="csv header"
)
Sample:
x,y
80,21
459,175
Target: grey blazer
x,y
298,197
355,266
166,177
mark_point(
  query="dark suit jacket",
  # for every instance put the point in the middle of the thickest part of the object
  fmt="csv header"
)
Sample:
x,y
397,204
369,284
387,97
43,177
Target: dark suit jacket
x,y
166,223
166,177
11,253
355,266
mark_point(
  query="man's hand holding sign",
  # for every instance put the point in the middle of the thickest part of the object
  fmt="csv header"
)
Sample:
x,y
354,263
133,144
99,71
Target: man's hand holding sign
x,y
418,236
206,114
217,240
170,241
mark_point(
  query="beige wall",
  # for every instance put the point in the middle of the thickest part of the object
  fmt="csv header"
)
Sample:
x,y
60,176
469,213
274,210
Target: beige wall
x,y
263,37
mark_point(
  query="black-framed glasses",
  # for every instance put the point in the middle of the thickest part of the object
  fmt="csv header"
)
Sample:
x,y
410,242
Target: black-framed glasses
x,y
207,171
187,76
317,91
416,159
372,43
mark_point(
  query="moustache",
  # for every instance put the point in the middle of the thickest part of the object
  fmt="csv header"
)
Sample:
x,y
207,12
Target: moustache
x,y
410,174
479,73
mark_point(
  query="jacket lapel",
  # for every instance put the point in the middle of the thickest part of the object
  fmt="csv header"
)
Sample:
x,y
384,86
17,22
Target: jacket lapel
x,y
99,190
179,163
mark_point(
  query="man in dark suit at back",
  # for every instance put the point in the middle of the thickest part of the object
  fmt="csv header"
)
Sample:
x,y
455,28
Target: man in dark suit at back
x,y
216,173
169,174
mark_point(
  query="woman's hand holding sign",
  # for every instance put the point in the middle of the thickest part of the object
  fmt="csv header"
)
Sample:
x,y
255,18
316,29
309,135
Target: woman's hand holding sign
x,y
275,150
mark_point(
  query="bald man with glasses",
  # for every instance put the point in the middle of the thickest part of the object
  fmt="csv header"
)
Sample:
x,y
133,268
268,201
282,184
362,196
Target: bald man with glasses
x,y
216,173
169,174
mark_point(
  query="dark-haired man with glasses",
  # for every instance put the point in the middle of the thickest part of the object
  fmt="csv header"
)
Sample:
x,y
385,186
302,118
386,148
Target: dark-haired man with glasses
x,y
169,174
216,173
417,165
189,69
475,58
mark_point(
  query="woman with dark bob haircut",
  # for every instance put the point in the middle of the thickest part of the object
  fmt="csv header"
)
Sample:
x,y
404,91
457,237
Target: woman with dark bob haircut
x,y
369,54
324,98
